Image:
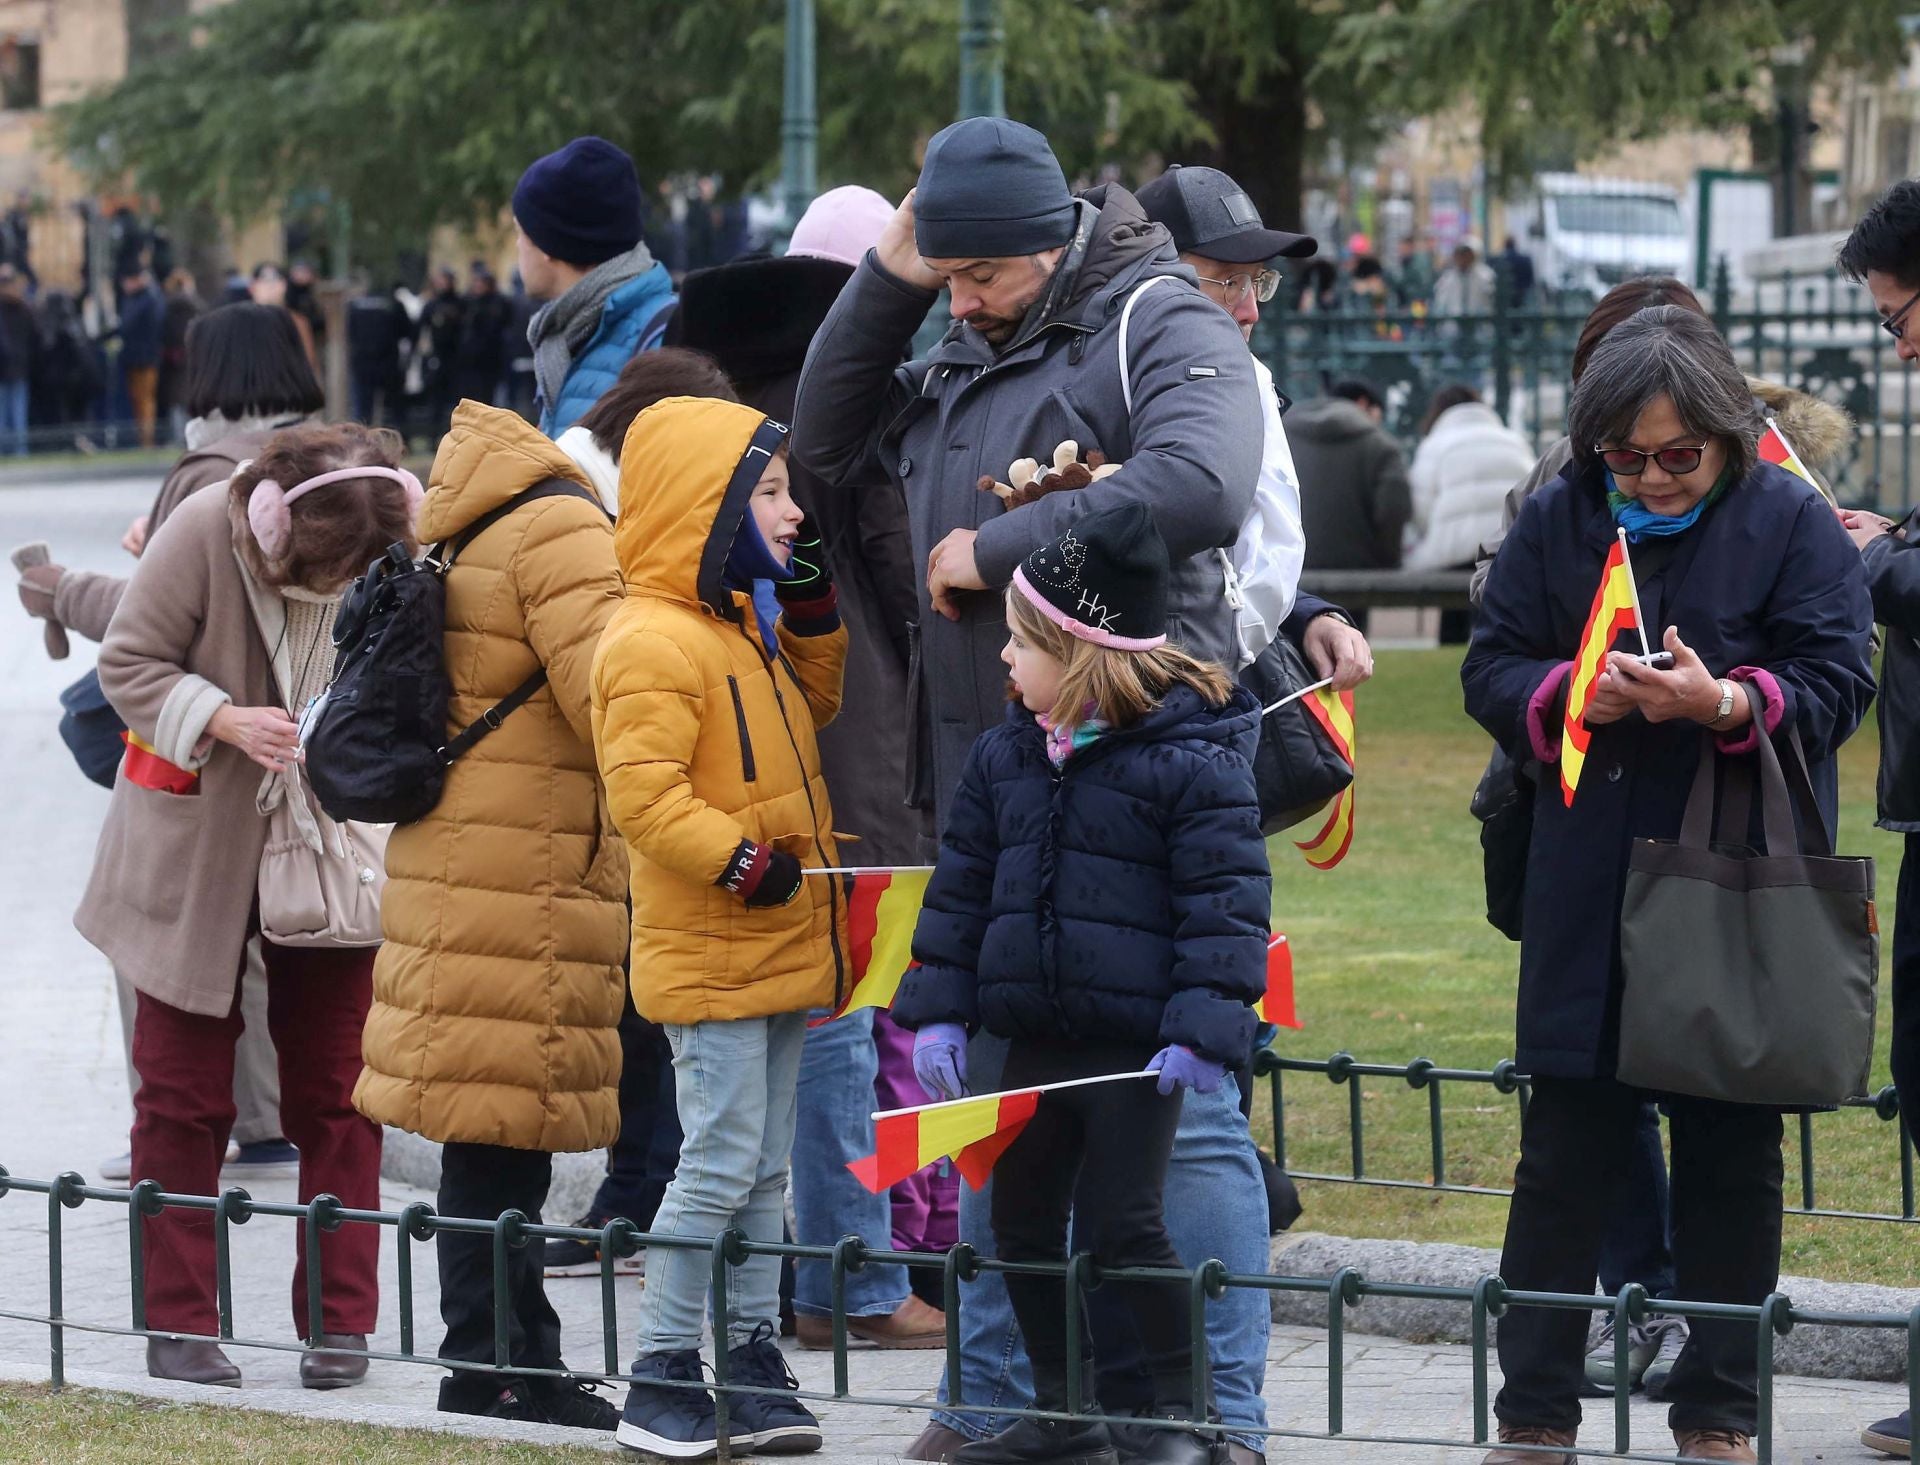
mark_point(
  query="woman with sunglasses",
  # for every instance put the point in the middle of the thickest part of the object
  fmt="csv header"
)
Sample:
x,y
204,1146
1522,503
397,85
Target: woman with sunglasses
x,y
1745,576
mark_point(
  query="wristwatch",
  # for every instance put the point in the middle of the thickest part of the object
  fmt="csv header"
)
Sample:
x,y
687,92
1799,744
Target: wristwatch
x,y
1725,710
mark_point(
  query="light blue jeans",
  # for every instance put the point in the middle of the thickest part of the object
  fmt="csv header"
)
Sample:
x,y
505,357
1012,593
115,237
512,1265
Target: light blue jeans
x,y
734,1084
1216,1207
837,1069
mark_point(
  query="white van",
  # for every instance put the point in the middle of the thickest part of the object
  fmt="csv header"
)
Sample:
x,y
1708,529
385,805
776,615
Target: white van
x,y
1589,234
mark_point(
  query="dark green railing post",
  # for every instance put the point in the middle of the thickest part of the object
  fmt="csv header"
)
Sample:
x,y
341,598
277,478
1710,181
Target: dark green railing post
x,y
728,1251
962,1266
1913,1362
142,1201
1339,1289
1806,1161
849,1255
1081,1278
618,1238
1502,343
1340,1071
1419,1076
416,1224
1489,1301
1776,1318
323,1216
503,1226
64,1192
1209,1281
1722,296
1628,1308
231,1208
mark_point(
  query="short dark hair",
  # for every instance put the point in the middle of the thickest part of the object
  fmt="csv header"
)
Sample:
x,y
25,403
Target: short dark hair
x,y
653,376
1357,389
1887,238
1624,300
1365,267
337,531
1453,394
246,360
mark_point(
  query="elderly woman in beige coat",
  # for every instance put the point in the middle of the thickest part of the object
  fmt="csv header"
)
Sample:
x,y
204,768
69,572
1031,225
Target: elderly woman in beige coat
x,y
219,642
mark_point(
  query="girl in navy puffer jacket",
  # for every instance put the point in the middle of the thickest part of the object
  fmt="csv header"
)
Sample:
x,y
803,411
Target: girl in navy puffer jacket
x,y
1101,900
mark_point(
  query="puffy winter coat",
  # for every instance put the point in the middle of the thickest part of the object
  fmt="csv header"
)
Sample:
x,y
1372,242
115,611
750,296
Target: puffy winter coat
x,y
498,992
1125,897
1461,473
1354,496
633,320
704,740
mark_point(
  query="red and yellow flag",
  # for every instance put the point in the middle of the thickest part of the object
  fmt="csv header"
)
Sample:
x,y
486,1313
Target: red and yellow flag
x,y
1277,1006
1775,449
975,1132
1334,712
882,909
1613,612
145,768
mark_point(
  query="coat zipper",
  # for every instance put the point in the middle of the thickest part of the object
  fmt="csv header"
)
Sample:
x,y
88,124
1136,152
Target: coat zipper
x,y
813,813
740,721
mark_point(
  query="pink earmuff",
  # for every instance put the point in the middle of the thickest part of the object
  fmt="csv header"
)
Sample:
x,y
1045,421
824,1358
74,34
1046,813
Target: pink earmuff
x,y
270,507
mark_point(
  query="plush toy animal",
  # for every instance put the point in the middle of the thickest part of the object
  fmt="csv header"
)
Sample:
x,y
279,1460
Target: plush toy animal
x,y
1031,481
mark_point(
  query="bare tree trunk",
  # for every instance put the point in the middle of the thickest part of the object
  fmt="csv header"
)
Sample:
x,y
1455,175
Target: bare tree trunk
x,y
1262,141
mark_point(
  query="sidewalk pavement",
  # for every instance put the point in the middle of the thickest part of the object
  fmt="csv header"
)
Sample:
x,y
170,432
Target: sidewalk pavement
x,y
64,1106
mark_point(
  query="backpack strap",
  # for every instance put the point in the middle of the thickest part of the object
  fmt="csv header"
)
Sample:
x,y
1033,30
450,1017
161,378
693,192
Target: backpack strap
x,y
489,720
1126,320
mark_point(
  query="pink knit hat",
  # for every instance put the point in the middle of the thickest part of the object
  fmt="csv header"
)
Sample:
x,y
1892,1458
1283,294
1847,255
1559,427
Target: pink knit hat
x,y
842,224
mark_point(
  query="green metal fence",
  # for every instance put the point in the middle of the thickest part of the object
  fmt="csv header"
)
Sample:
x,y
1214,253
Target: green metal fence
x,y
1487,1300
1423,1075
1818,334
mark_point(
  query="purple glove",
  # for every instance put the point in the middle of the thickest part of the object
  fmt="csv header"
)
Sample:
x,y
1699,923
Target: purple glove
x,y
1180,1068
940,1059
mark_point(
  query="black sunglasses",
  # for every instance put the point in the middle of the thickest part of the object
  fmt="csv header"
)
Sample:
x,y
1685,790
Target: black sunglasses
x,y
1895,325
1631,462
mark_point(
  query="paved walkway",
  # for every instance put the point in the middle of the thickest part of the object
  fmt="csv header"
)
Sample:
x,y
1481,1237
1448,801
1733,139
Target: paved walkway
x,y
63,1105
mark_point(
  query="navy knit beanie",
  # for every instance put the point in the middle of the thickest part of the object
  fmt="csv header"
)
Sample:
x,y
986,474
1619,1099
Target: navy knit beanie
x,y
990,188
582,204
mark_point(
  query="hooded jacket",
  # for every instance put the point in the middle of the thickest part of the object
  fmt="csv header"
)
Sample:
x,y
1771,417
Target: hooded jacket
x,y
1190,449
1355,498
1123,897
1461,473
705,741
498,992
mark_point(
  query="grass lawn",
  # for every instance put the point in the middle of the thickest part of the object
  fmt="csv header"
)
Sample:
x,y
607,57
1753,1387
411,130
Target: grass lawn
x,y
1394,959
85,1427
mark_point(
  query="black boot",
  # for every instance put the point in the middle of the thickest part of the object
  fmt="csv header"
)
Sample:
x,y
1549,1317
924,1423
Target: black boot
x,y
1143,1444
1047,1441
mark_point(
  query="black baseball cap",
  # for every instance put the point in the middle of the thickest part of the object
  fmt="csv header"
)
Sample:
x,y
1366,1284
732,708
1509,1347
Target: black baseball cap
x,y
1208,213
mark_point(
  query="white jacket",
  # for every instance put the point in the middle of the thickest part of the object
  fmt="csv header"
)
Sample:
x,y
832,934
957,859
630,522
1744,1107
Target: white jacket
x,y
1267,557
1460,474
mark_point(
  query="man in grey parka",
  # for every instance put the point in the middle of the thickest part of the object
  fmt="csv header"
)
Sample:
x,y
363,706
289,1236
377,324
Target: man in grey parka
x,y
1039,282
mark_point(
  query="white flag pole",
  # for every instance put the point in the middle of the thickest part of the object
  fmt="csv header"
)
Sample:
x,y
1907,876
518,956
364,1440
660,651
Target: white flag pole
x,y
1633,587
871,870
1296,696
1044,1088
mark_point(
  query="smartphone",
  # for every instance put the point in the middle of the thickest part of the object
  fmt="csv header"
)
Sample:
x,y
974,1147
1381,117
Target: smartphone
x,y
1658,660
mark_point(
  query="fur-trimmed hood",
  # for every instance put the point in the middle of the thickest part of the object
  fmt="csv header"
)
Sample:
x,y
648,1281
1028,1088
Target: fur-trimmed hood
x,y
1819,431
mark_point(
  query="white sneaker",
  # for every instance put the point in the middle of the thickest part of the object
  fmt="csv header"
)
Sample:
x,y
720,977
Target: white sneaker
x,y
120,1167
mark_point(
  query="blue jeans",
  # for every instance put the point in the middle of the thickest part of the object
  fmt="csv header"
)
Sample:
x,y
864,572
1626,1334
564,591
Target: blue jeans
x,y
13,417
734,1085
1216,1206
837,1068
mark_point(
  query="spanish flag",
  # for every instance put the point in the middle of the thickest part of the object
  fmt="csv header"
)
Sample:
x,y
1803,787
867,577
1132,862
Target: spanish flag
x,y
145,768
1277,1006
1775,449
1334,712
975,1132
1615,609
882,908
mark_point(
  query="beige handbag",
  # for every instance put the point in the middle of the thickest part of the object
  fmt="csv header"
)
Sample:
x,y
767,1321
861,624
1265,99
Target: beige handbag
x,y
320,881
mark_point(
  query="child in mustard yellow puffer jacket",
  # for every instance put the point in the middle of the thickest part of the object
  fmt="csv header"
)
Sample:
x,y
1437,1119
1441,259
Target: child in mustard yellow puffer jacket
x,y
704,710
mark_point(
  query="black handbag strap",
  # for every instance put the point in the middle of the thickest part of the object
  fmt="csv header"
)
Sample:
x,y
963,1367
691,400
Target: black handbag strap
x,y
1778,796
488,721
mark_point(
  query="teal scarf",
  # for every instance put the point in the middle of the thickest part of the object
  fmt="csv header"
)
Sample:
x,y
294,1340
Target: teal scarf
x,y
1641,522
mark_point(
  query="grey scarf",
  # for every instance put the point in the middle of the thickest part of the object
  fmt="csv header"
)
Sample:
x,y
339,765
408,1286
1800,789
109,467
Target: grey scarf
x,y
560,328
202,432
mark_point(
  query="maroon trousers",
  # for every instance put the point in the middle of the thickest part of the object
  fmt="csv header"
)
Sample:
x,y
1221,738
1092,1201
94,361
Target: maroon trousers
x,y
317,1001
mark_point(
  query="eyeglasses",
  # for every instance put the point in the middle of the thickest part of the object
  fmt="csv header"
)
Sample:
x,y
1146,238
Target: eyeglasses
x,y
1264,285
1631,462
1895,325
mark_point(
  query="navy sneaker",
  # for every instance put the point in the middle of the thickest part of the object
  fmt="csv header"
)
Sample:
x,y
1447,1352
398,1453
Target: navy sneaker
x,y
566,1257
574,1403
665,1417
264,1159
780,1426
1890,1436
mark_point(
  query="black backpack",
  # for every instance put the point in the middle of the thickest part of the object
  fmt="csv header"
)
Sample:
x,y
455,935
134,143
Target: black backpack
x,y
376,742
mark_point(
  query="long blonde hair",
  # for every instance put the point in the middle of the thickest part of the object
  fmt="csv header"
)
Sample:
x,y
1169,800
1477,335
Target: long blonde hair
x,y
1118,687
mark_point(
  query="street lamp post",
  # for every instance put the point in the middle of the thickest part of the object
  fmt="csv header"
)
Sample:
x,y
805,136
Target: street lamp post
x,y
799,119
983,91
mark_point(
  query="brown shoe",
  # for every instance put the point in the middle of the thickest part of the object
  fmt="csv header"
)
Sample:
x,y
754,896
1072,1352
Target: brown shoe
x,y
335,1370
913,1324
190,1361
1543,1440
936,1442
1715,1444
